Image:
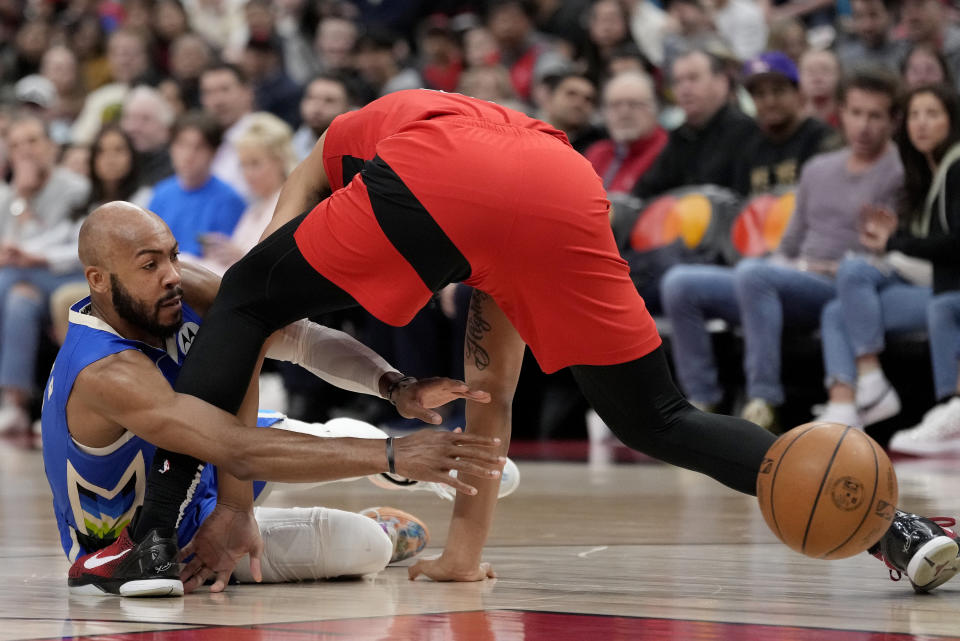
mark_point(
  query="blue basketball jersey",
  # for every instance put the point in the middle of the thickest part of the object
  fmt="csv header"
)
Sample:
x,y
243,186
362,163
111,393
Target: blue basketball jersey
x,y
97,490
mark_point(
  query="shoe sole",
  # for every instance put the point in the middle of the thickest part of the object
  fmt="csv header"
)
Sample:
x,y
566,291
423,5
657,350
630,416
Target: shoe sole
x,y
138,588
934,564
509,482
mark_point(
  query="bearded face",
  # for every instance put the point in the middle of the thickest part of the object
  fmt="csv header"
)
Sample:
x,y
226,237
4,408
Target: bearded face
x,y
145,314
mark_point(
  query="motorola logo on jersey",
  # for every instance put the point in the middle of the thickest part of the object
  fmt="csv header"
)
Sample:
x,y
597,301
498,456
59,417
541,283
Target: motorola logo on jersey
x,y
188,332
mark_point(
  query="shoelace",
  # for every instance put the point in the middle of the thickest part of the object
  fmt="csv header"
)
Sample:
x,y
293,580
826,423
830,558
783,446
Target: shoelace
x,y
945,522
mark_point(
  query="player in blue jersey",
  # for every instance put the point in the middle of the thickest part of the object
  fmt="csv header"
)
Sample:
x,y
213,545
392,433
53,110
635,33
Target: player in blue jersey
x,y
109,402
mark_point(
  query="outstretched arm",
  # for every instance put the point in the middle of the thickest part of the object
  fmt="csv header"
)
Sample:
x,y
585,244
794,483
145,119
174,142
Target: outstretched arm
x,y
493,354
127,390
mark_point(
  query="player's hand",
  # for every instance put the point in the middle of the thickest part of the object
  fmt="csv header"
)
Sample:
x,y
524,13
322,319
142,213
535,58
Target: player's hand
x,y
417,398
439,570
429,455
222,540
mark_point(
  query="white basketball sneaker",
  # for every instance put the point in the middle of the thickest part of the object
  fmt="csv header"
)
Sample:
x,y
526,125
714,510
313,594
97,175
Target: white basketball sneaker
x,y
509,481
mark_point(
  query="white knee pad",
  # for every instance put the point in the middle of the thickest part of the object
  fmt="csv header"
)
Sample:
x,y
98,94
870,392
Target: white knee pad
x,y
305,543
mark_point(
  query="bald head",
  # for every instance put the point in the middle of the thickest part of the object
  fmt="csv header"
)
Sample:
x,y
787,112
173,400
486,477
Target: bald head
x,y
118,229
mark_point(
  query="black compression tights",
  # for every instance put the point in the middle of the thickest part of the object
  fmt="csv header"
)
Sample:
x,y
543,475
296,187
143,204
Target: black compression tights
x,y
643,407
269,288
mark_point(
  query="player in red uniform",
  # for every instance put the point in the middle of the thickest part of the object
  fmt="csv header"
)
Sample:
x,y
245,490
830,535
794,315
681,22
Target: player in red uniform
x,y
430,188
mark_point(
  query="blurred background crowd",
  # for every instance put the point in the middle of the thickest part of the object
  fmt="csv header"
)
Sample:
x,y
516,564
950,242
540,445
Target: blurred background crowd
x,y
781,173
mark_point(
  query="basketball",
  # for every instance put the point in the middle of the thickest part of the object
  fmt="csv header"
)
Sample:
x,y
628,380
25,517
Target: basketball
x,y
827,490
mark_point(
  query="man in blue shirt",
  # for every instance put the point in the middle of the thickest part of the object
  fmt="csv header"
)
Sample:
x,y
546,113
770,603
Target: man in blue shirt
x,y
193,201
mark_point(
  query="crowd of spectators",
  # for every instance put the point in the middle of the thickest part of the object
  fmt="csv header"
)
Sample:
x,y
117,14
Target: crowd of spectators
x,y
199,109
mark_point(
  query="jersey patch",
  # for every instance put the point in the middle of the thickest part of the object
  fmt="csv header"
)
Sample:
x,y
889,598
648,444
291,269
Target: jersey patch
x,y
104,512
186,336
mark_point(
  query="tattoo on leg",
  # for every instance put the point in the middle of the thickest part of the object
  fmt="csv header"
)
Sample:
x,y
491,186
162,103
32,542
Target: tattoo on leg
x,y
477,327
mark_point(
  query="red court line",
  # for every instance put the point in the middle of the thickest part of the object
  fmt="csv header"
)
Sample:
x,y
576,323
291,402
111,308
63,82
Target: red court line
x,y
510,625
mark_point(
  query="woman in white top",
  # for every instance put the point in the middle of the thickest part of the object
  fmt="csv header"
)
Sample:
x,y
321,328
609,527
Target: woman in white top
x,y
266,157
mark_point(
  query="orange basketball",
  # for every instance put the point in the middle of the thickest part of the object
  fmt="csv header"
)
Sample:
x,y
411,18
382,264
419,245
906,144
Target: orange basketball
x,y
827,490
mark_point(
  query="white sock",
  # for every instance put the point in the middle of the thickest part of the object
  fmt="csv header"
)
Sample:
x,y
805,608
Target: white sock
x,y
871,386
843,413
306,543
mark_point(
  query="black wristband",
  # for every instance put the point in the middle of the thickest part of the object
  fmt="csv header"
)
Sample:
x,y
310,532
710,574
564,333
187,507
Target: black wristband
x,y
391,464
392,387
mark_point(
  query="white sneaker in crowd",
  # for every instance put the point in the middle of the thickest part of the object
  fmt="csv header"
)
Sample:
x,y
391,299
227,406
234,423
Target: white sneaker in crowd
x,y
937,433
877,400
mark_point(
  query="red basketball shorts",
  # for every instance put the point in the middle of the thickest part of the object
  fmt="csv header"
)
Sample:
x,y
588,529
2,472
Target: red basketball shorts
x,y
514,212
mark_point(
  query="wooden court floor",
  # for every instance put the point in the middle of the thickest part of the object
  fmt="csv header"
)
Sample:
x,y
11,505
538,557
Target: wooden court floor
x,y
618,551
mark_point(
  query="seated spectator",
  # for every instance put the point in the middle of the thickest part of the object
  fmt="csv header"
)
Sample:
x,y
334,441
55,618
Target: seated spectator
x,y
786,139
691,27
607,29
630,111
569,106
742,24
169,23
87,40
266,158
113,171
788,36
441,58
792,287
38,253
376,57
273,89
705,149
129,62
325,97
883,294
771,159
333,44
226,94
36,96
924,65
146,118
480,49
819,81
523,51
190,55
222,23
870,43
194,202
60,67
927,22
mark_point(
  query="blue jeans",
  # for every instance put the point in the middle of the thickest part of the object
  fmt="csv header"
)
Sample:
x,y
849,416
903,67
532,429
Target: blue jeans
x,y
943,326
692,295
22,317
869,304
769,296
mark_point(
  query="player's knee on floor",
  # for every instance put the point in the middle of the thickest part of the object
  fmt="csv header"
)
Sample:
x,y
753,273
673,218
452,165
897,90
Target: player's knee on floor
x,y
302,544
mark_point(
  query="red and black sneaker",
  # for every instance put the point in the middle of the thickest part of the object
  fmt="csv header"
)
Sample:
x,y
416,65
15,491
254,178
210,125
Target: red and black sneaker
x,y
148,568
922,548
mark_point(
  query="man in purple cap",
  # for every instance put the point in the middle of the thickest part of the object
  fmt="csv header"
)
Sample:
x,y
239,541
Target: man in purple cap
x,y
784,139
